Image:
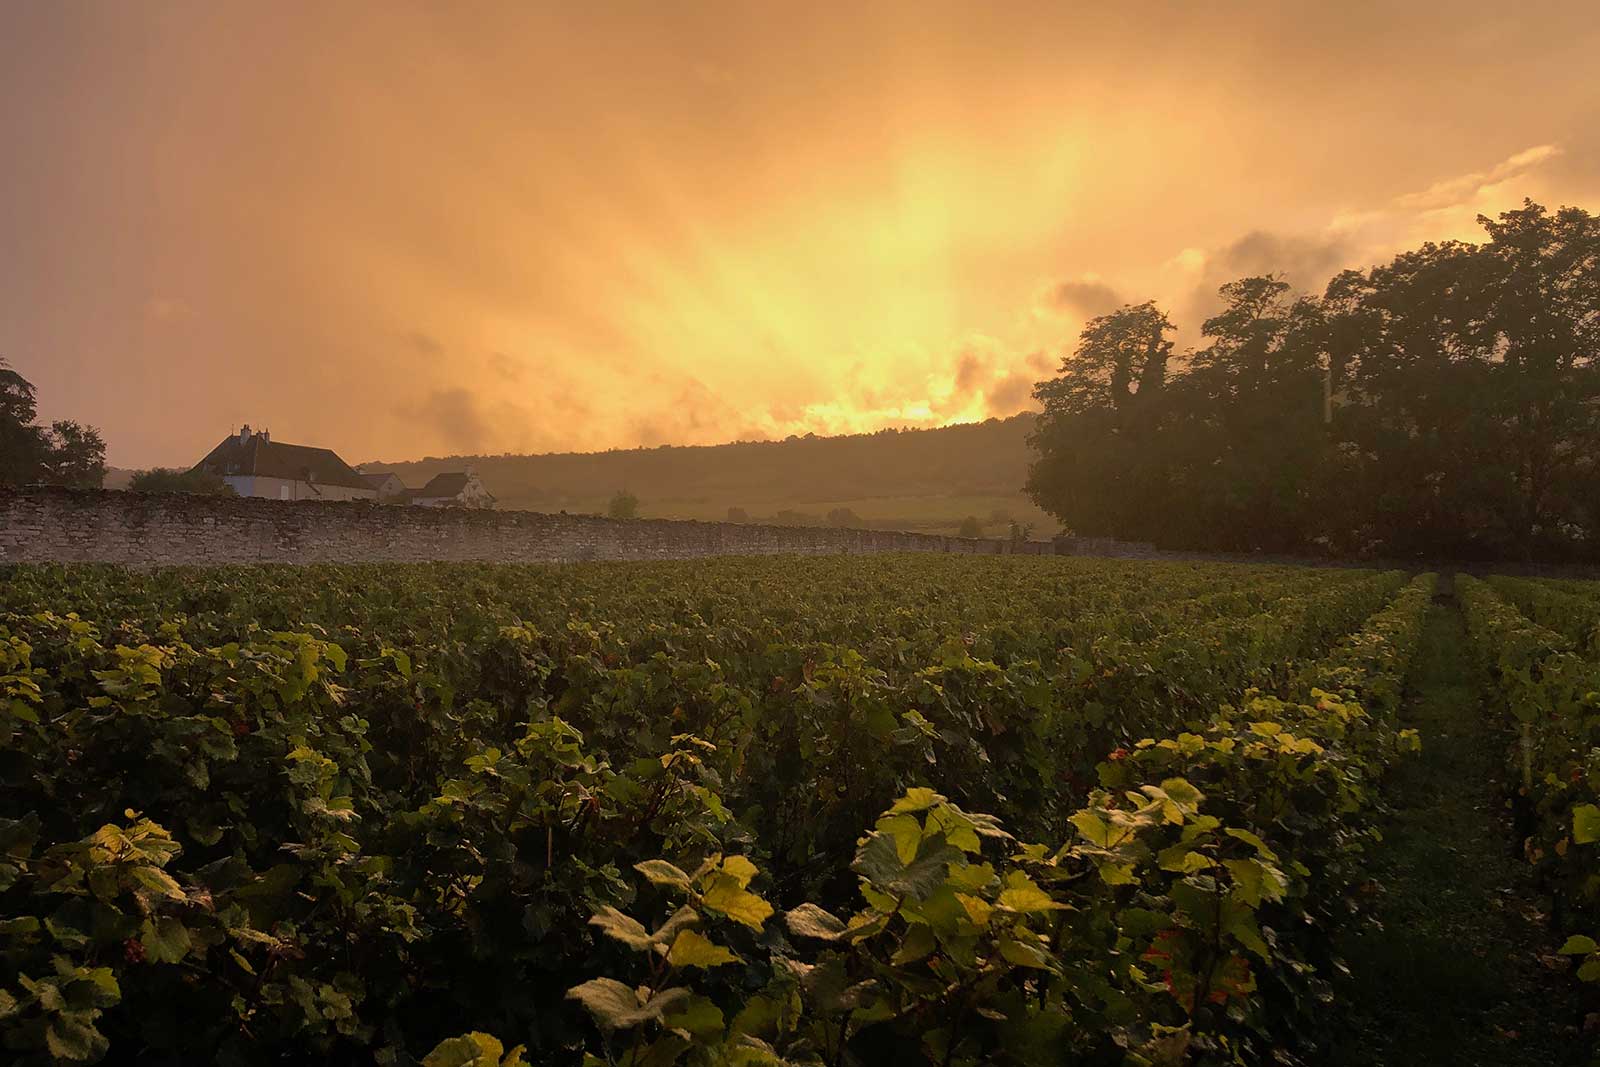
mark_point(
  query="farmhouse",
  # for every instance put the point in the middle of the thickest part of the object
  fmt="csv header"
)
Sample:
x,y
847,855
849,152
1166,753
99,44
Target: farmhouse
x,y
454,489
390,489
256,465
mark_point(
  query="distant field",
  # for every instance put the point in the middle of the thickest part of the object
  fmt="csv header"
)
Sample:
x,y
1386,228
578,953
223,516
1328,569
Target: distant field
x,y
925,480
924,514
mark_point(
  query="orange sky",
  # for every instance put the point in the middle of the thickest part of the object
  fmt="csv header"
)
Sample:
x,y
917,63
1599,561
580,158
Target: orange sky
x,y
412,228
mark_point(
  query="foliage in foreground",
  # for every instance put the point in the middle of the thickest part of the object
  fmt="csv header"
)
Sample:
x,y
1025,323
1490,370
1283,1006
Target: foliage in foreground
x,y
1549,691
326,849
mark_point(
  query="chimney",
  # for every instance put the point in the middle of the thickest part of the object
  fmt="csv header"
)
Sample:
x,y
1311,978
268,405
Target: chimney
x,y
244,434
265,435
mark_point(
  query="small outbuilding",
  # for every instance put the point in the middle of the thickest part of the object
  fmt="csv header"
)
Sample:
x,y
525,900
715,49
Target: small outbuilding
x,y
453,489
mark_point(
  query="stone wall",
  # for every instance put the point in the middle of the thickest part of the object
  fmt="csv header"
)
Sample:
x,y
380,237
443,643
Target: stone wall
x,y
1107,547
148,529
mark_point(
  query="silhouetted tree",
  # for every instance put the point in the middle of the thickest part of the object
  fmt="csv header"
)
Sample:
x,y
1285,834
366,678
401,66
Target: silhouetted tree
x,y
64,453
22,444
1248,426
162,480
75,455
970,527
1444,404
1096,440
844,517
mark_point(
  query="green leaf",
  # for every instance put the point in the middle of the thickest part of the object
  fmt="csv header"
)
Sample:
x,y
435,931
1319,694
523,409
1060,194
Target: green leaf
x,y
621,927
1023,954
72,1036
1115,873
158,881
166,940
1023,896
917,798
1093,828
684,916
1255,881
699,1016
878,861
469,1050
1585,824
617,1007
739,869
660,872
808,920
918,943
728,897
1253,841
1579,945
1183,859
691,949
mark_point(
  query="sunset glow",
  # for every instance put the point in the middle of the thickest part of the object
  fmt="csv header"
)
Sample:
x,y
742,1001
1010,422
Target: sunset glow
x,y
410,228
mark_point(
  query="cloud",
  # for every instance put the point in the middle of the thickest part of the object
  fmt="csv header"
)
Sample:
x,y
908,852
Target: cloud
x,y
1011,394
425,343
989,378
1465,188
1083,298
1189,260
455,418
1304,262
1447,209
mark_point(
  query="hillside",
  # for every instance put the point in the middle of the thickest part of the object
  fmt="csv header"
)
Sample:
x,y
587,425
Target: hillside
x,y
905,479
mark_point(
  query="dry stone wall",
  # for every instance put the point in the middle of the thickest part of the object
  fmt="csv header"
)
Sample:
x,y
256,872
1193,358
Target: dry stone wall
x,y
154,529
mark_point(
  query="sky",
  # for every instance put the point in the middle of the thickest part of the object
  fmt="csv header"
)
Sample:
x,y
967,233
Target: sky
x,y
403,229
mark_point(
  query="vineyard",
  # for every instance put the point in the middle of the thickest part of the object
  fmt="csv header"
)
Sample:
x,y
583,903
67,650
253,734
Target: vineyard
x,y
824,811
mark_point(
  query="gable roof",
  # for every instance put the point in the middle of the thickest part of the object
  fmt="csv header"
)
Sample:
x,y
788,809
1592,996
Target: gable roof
x,y
274,459
378,480
448,484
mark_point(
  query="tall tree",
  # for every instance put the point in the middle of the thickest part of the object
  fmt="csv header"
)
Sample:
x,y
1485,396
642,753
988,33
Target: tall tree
x,y
1096,440
1249,435
75,455
22,445
1542,319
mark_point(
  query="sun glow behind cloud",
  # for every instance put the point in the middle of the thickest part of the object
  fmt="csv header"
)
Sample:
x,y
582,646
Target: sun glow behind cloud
x,y
417,229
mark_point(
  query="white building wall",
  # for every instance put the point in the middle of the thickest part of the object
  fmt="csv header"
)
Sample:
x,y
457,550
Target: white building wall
x,y
292,489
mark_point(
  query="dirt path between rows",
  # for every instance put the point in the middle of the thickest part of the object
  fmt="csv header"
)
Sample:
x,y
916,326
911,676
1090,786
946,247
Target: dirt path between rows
x,y
1457,967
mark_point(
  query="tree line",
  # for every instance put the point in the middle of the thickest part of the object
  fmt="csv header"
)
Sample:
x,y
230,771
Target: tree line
x,y
1444,405
62,453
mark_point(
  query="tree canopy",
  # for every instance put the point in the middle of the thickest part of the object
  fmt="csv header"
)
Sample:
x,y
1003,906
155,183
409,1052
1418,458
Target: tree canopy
x,y
166,480
63,453
1446,404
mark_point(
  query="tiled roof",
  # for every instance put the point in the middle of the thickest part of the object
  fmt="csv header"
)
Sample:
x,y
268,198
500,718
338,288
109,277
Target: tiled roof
x,y
274,459
443,485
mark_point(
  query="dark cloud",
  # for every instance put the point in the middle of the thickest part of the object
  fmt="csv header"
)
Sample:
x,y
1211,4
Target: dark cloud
x,y
425,343
1084,298
1304,262
455,416
1010,394
970,369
